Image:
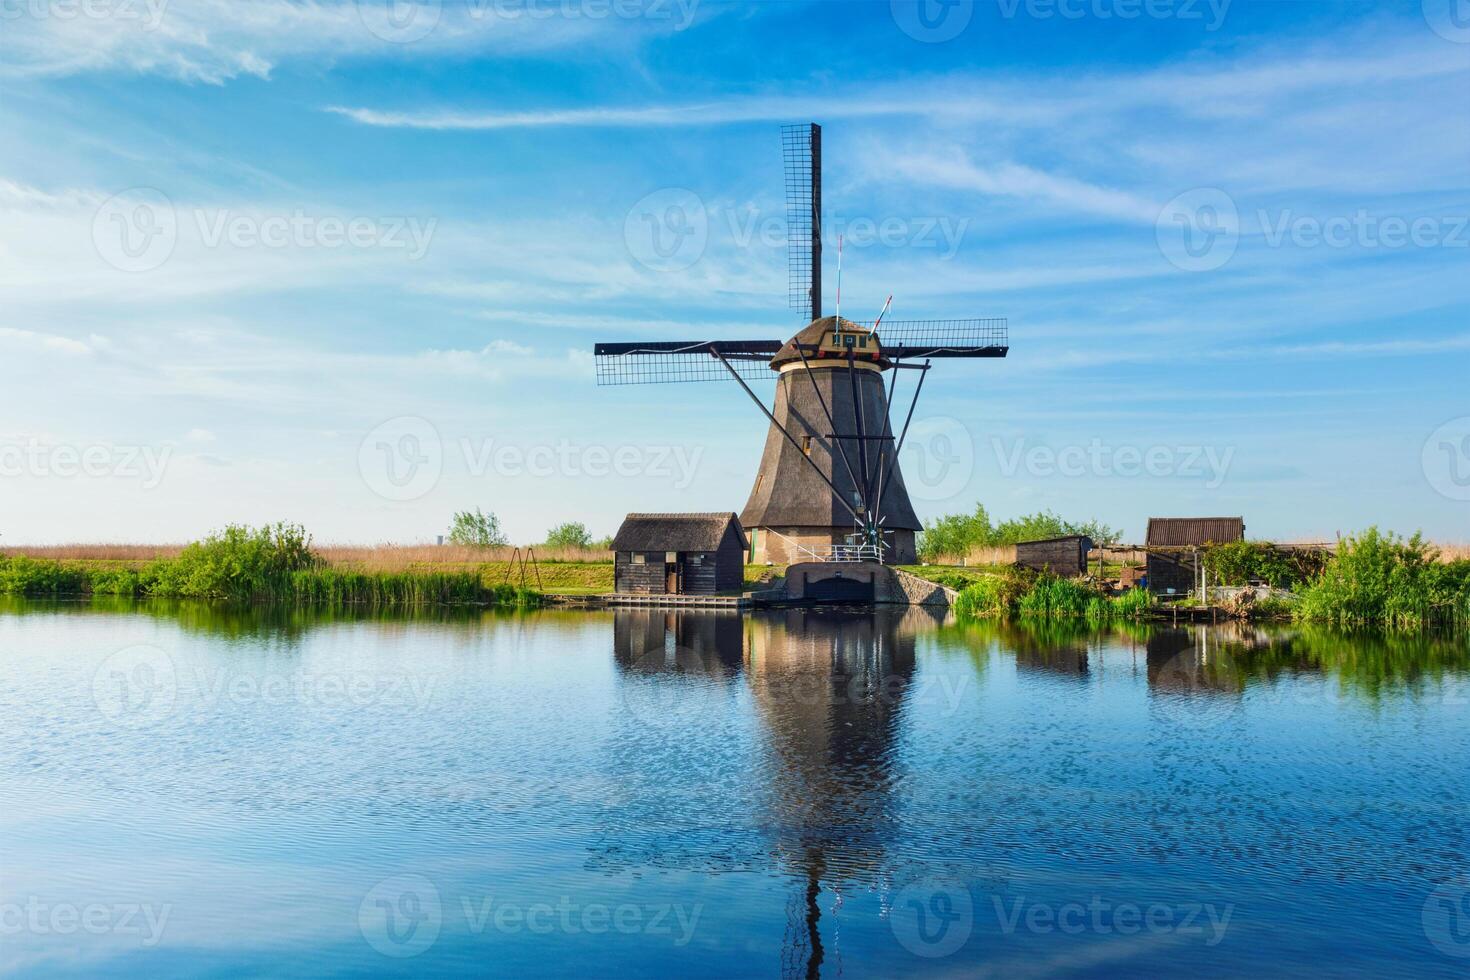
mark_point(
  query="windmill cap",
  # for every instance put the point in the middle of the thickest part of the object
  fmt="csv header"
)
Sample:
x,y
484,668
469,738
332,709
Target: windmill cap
x,y
811,335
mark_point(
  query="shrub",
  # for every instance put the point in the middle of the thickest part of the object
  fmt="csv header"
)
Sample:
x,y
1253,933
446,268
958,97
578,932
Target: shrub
x,y
1242,562
236,563
959,534
471,527
1385,580
571,534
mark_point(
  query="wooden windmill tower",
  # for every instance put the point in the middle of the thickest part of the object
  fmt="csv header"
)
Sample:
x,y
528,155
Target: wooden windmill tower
x,y
829,485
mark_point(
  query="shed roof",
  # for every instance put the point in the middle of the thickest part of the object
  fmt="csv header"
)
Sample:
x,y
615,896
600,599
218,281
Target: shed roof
x,y
676,532
1064,537
1182,532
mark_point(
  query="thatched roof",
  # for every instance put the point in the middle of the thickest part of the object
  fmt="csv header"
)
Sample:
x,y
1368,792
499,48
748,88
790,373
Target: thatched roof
x,y
1184,532
811,335
676,532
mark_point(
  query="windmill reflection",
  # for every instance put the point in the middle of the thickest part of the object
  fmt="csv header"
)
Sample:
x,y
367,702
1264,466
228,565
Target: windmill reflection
x,y
829,687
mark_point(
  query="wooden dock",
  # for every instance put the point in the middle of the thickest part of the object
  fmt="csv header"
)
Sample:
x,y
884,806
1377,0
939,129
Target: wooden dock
x,y
655,600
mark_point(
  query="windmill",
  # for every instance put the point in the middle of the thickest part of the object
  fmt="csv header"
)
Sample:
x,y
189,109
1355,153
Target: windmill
x,y
829,485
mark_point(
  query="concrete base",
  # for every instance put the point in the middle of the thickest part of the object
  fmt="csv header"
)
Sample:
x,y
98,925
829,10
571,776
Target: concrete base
x,y
889,585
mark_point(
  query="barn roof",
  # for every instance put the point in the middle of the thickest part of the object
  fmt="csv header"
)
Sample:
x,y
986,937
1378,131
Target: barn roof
x,y
811,335
676,532
1183,532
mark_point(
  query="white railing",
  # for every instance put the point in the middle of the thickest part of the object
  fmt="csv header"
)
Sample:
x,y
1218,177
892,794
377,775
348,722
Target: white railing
x,y
833,552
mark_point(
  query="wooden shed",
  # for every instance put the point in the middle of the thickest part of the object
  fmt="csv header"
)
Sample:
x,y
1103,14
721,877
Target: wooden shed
x,y
1173,545
679,554
1065,556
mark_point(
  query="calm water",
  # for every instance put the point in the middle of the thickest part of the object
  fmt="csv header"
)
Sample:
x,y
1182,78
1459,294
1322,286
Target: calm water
x,y
196,792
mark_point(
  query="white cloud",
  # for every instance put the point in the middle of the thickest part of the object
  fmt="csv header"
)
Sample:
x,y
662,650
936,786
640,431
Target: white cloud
x,y
37,341
214,41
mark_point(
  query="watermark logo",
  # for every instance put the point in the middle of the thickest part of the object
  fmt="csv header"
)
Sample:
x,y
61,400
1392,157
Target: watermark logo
x,y
1450,19
42,460
1199,230
932,918
1211,13
41,918
1103,917
1209,464
136,230
136,686
1446,919
402,459
1446,459
1363,230
668,230
938,458
400,21
932,21
401,916
146,14
677,464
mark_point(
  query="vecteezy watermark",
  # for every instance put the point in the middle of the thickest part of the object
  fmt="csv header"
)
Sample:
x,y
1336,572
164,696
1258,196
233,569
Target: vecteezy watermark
x,y
402,458
402,917
1450,19
43,460
1210,13
1208,463
568,459
136,687
138,230
941,233
668,230
938,458
932,21
147,14
1199,230
1446,919
932,917
1100,916
37,917
1363,230
407,21
1446,459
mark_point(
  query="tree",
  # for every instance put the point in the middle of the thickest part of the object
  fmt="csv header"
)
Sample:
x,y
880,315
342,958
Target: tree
x,y
571,534
476,529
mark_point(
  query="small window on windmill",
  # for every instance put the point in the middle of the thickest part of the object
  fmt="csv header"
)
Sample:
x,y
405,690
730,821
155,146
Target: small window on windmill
x,y
849,340
806,445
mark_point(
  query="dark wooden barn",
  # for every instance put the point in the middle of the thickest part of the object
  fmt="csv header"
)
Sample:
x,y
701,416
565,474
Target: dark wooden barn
x,y
1173,544
679,554
1065,556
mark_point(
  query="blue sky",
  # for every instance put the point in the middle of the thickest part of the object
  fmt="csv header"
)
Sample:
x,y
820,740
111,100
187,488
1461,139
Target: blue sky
x,y
344,265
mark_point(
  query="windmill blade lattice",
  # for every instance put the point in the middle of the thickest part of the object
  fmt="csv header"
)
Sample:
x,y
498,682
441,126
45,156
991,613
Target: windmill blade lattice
x,y
661,362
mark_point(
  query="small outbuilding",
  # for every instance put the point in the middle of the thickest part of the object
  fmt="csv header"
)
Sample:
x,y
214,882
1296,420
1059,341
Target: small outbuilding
x,y
1065,556
679,554
1173,544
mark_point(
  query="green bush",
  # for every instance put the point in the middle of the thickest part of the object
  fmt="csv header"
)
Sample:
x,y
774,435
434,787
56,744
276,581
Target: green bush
x,y
471,527
571,534
1378,579
956,535
237,563
1243,562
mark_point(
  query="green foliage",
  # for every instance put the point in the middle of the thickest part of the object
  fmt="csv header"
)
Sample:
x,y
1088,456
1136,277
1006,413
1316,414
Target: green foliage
x,y
990,597
1062,598
239,563
27,576
1243,562
571,534
1378,579
957,535
1134,604
476,529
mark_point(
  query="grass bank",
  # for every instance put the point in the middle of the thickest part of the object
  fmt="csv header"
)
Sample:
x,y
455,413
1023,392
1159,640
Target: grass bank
x,y
269,564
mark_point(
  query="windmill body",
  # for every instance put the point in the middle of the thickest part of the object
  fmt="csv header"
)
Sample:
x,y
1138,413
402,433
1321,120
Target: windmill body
x,y
793,513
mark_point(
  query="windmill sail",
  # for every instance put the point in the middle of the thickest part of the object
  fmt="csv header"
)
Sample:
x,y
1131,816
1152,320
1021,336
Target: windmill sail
x,y
663,361
908,339
801,148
